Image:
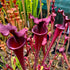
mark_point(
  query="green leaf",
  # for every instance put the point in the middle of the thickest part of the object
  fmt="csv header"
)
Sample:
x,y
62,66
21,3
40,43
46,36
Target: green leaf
x,y
3,58
18,63
12,64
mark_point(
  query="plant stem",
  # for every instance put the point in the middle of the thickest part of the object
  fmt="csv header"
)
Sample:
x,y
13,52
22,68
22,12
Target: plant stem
x,y
10,3
65,57
36,60
41,8
22,18
58,41
68,39
24,12
3,18
48,7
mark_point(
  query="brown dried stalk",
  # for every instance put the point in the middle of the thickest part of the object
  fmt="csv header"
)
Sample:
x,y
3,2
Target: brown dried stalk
x,y
24,12
48,7
3,18
41,8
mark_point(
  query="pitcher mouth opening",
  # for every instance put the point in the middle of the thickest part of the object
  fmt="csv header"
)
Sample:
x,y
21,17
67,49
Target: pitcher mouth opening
x,y
43,31
59,26
13,45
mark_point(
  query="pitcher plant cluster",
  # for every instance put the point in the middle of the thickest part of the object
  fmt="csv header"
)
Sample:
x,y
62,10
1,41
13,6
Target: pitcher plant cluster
x,y
31,38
